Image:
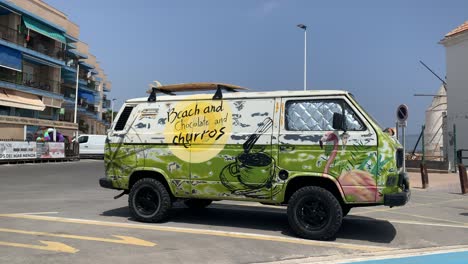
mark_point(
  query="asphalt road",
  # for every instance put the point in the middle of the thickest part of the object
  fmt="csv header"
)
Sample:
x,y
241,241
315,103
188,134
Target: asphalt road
x,y
57,213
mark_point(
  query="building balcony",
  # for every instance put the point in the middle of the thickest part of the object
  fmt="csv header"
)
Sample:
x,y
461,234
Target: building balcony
x,y
39,43
63,124
106,104
29,80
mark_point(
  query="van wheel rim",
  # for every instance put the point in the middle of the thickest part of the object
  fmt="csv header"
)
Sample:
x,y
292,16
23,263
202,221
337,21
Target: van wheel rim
x,y
147,201
313,214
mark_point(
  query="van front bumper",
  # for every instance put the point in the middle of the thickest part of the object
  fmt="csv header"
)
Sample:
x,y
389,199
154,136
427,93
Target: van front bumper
x,y
106,183
400,198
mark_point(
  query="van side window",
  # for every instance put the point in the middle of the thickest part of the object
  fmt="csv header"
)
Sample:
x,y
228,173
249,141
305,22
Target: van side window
x,y
317,115
120,125
83,139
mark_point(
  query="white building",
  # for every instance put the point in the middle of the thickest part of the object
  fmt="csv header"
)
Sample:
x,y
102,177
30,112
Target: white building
x,y
435,126
456,46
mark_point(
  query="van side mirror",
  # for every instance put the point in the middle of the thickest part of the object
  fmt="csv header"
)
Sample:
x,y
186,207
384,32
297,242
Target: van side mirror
x,y
338,121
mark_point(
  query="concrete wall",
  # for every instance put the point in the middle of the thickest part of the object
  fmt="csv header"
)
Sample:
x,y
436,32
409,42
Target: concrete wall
x,y
457,91
49,13
11,131
82,47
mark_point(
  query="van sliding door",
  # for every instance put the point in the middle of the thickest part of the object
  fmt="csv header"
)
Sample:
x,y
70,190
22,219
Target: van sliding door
x,y
231,149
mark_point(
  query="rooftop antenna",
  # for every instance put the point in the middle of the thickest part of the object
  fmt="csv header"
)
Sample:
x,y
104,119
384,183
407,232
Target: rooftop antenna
x,y
438,77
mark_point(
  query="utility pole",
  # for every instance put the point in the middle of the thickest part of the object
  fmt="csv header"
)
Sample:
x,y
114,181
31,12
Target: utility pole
x,y
305,54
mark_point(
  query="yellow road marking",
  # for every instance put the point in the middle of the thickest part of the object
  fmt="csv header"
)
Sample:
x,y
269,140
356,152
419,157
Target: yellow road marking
x,y
122,239
202,232
49,246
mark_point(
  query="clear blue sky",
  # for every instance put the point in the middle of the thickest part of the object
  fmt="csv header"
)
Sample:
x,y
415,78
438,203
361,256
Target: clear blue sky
x,y
370,48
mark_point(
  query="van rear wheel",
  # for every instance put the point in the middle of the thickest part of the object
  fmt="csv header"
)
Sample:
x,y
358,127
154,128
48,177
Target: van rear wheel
x,y
149,201
314,213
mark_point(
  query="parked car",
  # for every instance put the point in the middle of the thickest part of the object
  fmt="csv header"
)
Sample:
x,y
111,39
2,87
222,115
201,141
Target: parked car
x,y
318,152
92,146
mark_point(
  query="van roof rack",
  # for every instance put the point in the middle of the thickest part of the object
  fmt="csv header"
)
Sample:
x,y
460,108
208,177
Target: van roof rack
x,y
191,87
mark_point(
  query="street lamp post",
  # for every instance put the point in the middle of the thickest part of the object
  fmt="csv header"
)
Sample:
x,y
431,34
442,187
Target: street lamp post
x,y
304,27
112,111
75,119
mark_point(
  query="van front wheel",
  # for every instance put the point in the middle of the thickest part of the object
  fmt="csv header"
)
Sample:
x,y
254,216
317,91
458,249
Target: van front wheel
x,y
149,201
314,213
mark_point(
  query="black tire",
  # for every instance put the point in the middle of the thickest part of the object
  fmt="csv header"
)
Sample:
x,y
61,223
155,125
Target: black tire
x,y
197,203
345,208
149,201
314,213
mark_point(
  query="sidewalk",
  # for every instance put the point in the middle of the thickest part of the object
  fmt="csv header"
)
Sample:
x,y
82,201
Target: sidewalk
x,y
441,182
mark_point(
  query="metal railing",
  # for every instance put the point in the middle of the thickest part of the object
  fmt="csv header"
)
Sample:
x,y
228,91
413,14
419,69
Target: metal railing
x,y
460,156
15,36
30,80
106,103
11,35
11,76
68,92
35,81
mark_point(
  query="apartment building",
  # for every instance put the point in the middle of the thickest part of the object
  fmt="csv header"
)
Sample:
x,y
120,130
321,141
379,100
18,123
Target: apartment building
x,y
42,63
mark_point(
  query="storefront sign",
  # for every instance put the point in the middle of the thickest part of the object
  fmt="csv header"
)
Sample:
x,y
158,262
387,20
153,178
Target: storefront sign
x,y
17,150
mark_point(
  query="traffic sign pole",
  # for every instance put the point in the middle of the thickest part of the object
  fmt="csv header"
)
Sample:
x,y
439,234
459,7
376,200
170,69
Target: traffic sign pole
x,y
403,139
402,116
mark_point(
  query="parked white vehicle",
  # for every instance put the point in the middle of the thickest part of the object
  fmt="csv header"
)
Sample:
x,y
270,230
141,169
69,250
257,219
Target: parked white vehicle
x,y
92,145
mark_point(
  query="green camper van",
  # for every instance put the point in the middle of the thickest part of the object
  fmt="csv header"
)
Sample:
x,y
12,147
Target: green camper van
x,y
316,152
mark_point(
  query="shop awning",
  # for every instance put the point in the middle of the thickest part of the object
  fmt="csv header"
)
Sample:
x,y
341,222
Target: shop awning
x,y
40,61
10,58
70,38
19,99
86,65
86,95
77,53
43,29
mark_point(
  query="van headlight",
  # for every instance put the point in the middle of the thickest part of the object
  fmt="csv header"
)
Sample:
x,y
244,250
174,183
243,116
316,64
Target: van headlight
x,y
399,158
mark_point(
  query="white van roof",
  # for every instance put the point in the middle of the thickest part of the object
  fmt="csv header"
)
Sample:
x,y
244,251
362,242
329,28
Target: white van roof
x,y
243,95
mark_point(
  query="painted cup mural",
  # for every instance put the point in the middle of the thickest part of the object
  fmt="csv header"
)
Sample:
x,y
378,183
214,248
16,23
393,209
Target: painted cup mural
x,y
254,170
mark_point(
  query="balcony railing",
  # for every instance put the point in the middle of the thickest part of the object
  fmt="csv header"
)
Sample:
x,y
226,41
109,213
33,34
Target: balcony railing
x,y
68,92
11,76
106,103
11,35
15,36
30,80
33,80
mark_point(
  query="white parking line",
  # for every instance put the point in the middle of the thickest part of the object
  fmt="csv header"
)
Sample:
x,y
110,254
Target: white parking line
x,y
408,222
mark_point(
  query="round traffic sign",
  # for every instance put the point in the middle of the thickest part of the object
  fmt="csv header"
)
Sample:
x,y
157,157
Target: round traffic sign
x,y
402,113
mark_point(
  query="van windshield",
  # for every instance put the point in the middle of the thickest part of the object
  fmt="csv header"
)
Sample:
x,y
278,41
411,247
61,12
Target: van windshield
x,y
367,113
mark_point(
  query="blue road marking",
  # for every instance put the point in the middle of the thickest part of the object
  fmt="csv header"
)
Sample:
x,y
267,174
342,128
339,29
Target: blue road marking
x,y
445,258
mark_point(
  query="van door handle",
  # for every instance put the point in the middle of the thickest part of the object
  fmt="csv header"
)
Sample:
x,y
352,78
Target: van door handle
x,y
85,146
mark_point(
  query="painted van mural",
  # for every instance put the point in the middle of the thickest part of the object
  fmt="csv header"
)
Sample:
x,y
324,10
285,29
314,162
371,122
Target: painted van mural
x,y
318,152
